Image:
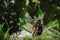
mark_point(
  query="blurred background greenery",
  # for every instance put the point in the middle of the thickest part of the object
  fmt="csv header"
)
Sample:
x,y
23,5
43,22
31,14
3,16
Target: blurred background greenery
x,y
19,15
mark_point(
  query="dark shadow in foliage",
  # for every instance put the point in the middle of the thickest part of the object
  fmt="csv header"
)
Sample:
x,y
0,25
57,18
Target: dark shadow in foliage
x,y
5,28
14,29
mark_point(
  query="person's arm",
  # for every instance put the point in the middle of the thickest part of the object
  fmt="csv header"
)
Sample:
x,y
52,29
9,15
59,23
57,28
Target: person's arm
x,y
34,29
34,25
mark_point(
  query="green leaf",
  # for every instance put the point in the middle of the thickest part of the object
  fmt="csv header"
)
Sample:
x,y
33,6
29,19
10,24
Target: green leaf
x,y
22,13
52,23
1,26
40,12
22,22
34,0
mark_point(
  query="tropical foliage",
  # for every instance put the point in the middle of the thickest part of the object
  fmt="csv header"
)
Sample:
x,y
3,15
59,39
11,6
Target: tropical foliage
x,y
12,15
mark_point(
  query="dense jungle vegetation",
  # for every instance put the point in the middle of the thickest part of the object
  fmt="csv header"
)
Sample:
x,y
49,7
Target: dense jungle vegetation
x,y
13,15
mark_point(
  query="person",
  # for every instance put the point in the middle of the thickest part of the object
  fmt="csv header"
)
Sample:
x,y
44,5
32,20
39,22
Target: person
x,y
37,28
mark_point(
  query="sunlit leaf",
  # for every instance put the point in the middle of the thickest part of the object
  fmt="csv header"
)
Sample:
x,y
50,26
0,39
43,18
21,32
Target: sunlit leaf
x,y
40,12
34,0
22,22
52,23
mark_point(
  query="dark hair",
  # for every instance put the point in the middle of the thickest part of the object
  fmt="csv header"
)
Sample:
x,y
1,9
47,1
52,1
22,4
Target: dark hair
x,y
39,20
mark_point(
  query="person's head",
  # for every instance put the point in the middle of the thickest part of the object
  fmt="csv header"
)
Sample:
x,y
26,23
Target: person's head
x,y
38,21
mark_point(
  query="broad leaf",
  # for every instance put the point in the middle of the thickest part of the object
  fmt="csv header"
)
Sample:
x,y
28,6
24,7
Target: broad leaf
x,y
34,0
